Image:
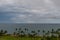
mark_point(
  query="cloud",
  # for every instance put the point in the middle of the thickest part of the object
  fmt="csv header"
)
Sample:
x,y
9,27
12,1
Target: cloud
x,y
30,11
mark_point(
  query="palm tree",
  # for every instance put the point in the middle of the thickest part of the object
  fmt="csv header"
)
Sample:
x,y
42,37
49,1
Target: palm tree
x,y
1,31
19,28
26,31
38,32
43,34
48,38
5,31
47,33
33,33
16,29
19,31
58,32
52,32
14,33
22,33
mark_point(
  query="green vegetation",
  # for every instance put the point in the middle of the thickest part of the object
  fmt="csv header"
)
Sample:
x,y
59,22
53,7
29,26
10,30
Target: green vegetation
x,y
18,38
24,34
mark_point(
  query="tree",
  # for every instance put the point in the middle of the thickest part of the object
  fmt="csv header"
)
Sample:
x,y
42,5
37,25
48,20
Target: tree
x,y
26,31
58,32
19,28
14,33
16,29
52,32
5,31
33,33
22,34
48,38
38,32
19,31
22,31
1,31
47,33
43,34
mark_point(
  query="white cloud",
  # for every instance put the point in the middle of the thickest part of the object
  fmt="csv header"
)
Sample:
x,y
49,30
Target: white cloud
x,y
30,10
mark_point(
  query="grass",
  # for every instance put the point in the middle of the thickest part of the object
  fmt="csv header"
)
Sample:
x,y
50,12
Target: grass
x,y
24,38
18,38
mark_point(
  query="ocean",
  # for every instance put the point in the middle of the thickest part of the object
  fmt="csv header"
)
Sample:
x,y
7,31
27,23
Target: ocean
x,y
10,27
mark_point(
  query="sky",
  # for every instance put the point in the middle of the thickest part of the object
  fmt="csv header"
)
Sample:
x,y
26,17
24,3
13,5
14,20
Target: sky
x,y
29,11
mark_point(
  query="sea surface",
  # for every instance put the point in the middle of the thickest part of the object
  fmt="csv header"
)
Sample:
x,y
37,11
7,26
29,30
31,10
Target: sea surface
x,y
31,26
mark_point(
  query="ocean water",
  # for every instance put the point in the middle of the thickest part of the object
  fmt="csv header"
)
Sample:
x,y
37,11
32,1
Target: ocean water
x,y
31,26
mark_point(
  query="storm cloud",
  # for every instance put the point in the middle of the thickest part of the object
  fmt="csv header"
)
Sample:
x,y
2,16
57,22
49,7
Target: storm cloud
x,y
30,11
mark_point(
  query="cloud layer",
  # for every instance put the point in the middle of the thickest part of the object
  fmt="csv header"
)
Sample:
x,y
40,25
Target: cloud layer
x,y
30,11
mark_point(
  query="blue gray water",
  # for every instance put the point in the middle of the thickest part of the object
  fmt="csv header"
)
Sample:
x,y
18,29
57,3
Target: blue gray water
x,y
31,26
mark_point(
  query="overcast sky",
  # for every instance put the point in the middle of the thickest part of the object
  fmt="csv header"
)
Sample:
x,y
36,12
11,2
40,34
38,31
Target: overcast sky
x,y
29,11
